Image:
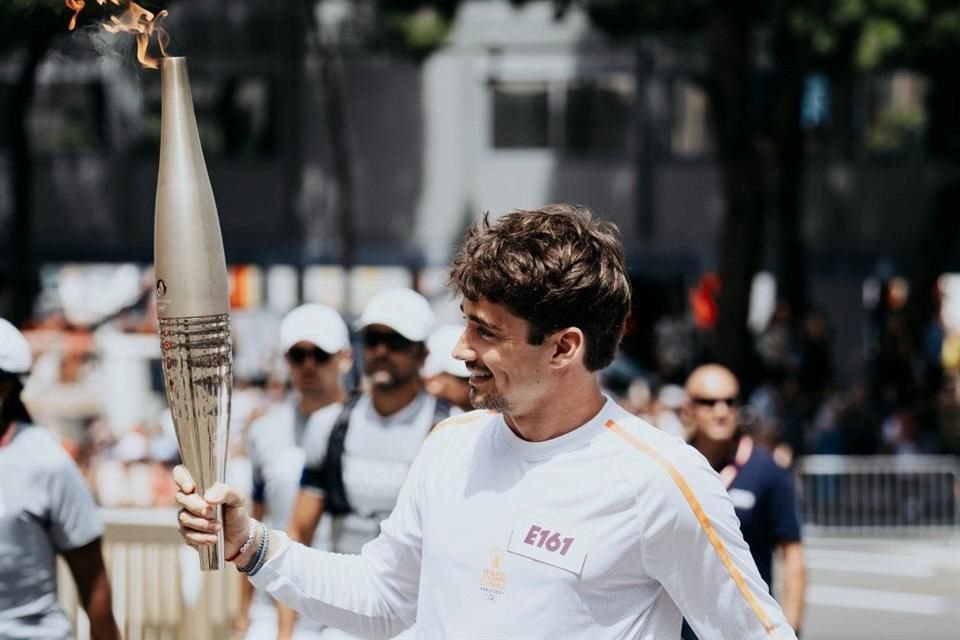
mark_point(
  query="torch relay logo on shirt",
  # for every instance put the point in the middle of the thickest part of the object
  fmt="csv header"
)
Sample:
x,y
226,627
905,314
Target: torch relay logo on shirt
x,y
493,581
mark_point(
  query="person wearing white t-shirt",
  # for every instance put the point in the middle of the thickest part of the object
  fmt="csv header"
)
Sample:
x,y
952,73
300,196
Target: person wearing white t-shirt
x,y
354,469
46,511
553,513
315,343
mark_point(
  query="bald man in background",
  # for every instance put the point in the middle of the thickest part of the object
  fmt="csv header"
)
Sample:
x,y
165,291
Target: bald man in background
x,y
762,491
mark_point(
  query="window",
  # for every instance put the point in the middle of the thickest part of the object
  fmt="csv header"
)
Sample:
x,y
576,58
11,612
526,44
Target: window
x,y
583,117
520,115
598,117
690,135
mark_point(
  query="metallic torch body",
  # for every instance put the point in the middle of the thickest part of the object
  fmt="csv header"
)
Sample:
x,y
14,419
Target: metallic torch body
x,y
192,294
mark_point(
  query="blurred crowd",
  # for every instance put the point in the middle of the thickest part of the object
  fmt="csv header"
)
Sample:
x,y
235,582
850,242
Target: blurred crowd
x,y
110,412
906,401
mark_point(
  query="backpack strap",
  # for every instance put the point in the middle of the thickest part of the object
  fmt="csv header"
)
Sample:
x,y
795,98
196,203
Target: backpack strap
x,y
331,469
330,472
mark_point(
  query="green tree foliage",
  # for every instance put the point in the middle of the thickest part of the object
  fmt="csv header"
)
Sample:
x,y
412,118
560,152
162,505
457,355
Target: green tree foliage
x,y
413,27
838,37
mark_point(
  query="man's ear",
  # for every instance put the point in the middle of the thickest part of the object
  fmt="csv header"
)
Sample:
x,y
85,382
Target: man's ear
x,y
569,346
346,361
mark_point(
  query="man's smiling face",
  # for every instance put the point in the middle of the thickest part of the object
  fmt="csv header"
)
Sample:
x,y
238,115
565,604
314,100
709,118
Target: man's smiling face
x,y
507,373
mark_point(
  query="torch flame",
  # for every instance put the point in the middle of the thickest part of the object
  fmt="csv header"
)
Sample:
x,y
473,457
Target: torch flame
x,y
76,6
135,20
143,24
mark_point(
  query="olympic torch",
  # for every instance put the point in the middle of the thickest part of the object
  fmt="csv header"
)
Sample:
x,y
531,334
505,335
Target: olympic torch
x,y
192,294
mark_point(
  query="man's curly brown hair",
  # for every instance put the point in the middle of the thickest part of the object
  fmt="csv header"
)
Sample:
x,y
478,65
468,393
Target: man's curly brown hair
x,y
554,267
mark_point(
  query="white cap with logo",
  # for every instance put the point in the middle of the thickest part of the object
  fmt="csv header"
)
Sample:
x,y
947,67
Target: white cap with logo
x,y
317,324
403,310
440,359
15,354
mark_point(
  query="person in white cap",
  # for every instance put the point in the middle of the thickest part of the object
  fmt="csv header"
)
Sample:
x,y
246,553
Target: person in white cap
x,y
444,376
355,474
45,511
315,343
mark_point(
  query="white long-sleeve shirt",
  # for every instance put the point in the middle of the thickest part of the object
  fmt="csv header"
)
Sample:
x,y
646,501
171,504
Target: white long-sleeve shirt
x,y
614,530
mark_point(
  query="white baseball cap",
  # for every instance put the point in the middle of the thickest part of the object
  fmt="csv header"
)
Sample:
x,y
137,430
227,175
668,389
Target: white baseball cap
x,y
317,324
440,359
403,310
15,354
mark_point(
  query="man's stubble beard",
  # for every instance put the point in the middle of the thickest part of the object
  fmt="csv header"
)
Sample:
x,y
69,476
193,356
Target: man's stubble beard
x,y
491,401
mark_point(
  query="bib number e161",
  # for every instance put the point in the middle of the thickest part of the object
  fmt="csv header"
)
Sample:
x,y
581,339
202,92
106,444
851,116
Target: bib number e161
x,y
549,541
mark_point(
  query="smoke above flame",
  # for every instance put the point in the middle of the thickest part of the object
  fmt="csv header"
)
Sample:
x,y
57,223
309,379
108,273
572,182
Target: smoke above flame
x,y
134,20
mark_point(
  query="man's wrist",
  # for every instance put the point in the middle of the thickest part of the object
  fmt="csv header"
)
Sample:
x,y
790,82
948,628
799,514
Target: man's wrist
x,y
258,558
245,552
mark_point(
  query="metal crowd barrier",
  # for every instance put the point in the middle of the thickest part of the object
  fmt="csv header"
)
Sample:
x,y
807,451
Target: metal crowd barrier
x,y
159,592
880,495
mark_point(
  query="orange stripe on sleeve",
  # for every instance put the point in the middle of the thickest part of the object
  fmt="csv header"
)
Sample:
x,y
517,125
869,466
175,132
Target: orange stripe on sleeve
x,y
704,521
466,418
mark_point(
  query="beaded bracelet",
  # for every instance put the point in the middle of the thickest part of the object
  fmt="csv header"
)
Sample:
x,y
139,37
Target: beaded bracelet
x,y
246,545
265,554
260,557
264,551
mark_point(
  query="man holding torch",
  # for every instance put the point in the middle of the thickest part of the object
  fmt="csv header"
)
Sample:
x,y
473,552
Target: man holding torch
x,y
554,513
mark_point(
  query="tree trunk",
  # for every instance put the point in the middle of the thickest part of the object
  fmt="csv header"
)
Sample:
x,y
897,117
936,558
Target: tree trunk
x,y
24,281
938,239
791,259
333,89
729,81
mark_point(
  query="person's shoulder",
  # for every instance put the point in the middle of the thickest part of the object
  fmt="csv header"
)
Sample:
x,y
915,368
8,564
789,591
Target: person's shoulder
x,y
320,423
650,453
463,426
274,414
43,448
762,460
632,432
477,417
764,467
326,414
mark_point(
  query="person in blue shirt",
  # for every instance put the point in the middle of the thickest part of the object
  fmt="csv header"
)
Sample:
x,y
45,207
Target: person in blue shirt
x,y
761,491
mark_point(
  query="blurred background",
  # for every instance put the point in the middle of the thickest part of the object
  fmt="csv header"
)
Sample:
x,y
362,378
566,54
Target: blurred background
x,y
785,176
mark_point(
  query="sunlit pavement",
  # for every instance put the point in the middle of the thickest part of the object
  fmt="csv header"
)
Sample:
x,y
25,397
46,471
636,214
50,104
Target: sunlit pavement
x,y
882,589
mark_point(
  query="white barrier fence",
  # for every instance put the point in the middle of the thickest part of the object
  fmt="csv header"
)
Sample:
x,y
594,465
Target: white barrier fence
x,y
158,590
879,495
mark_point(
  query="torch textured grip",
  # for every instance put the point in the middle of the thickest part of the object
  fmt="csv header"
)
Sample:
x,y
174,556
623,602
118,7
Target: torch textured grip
x,y
197,363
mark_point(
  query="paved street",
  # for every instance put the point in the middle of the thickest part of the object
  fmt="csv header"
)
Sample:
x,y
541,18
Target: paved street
x,y
883,589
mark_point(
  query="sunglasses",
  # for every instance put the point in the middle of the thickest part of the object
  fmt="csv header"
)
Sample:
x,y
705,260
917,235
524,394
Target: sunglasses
x,y
393,341
299,355
712,402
